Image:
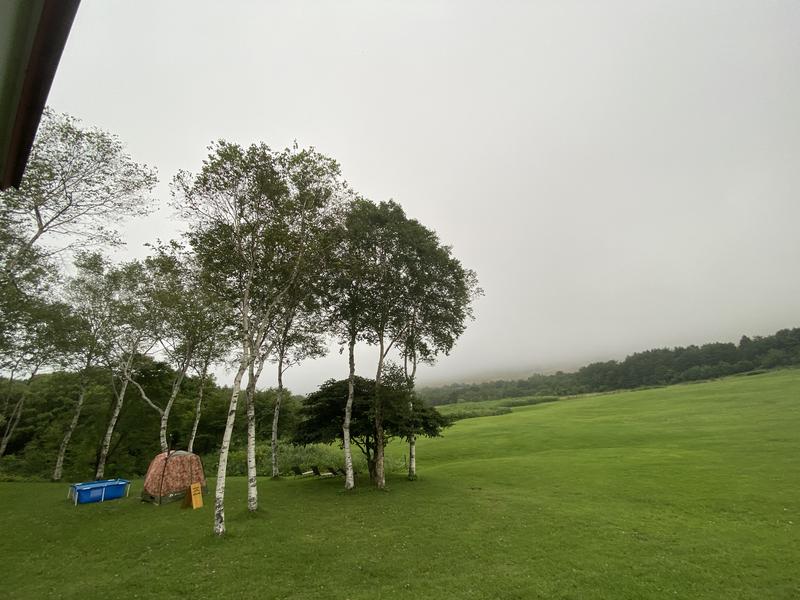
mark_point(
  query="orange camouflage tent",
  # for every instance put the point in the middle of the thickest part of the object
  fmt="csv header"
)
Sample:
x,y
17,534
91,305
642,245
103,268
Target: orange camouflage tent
x,y
170,475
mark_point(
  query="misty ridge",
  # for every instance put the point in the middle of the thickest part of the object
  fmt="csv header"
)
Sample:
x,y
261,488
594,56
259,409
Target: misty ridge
x,y
656,367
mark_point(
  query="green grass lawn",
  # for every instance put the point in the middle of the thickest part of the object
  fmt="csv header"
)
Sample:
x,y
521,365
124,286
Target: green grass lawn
x,y
691,491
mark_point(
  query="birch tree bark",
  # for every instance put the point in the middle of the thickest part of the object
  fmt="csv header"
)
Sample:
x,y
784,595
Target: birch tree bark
x,y
349,477
199,406
380,471
9,388
16,413
119,397
62,449
165,412
222,468
162,431
13,419
412,457
254,372
410,352
197,412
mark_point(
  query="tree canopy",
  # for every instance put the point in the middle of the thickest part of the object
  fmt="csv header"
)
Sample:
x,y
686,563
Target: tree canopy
x,y
322,413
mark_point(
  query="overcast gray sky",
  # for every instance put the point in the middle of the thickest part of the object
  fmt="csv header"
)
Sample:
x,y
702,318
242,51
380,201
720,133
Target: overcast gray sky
x,y
621,175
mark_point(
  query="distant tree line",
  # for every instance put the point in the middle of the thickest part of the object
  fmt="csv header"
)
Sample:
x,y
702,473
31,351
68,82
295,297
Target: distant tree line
x,y
661,366
50,405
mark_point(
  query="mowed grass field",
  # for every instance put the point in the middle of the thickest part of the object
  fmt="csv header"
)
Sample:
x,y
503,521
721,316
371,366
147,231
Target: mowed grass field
x,y
691,491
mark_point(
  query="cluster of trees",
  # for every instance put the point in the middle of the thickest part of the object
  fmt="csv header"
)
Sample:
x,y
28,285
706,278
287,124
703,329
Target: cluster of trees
x,y
321,418
49,410
280,258
663,366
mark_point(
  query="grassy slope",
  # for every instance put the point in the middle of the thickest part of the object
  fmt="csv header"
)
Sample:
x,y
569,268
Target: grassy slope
x,y
686,492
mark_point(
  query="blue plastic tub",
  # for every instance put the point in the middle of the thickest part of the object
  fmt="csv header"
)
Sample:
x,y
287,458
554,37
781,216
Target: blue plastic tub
x,y
98,491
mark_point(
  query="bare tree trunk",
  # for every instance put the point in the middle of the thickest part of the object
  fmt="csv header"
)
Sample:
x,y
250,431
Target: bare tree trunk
x,y
176,388
252,483
119,399
380,473
349,478
222,469
24,248
412,440
62,450
252,475
275,416
198,407
412,457
9,387
13,419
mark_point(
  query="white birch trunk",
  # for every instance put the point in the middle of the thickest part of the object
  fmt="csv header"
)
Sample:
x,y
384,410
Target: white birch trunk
x,y
349,478
412,457
9,388
412,440
119,399
380,474
13,419
252,475
198,408
275,417
62,450
222,469
176,388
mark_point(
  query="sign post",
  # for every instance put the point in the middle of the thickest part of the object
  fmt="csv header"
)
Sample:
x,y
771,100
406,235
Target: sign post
x,y
193,497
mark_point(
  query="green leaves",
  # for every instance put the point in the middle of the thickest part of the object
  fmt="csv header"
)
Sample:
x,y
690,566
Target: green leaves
x,y
79,181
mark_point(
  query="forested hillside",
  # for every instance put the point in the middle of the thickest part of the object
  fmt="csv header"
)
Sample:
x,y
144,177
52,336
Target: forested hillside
x,y
50,404
661,366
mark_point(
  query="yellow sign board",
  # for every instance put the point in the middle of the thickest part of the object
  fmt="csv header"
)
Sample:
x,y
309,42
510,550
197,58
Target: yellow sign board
x,y
194,497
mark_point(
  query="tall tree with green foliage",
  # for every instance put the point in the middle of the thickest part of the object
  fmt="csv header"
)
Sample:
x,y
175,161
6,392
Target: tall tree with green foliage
x,y
298,336
436,306
46,341
322,414
348,292
185,318
397,288
212,351
79,186
254,212
90,297
385,328
130,337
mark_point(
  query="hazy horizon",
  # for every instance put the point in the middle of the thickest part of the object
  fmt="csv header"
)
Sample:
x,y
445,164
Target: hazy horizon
x,y
621,176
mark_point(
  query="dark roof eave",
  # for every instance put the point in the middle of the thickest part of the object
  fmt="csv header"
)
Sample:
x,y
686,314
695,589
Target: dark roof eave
x,y
51,36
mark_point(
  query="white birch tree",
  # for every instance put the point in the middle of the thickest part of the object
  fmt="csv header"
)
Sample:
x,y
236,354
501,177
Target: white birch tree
x,y
78,187
414,298
130,337
254,212
184,319
91,299
348,292
43,340
298,336
211,352
437,306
